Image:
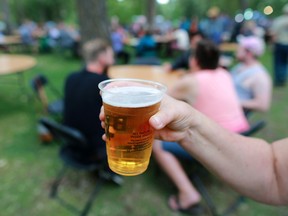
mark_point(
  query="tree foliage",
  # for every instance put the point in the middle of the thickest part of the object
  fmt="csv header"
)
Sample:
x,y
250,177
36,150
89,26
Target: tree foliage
x,y
126,10
43,10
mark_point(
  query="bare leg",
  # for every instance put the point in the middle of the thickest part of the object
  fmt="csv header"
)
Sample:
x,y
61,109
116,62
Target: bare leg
x,y
188,195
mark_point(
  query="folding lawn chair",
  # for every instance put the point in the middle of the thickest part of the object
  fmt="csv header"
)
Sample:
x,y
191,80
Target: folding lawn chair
x,y
72,141
39,84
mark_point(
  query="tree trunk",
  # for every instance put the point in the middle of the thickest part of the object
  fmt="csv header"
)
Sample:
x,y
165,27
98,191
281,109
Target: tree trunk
x,y
244,5
5,10
93,20
150,13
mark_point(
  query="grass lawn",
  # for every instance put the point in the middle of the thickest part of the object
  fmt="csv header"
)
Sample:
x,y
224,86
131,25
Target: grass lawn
x,y
27,167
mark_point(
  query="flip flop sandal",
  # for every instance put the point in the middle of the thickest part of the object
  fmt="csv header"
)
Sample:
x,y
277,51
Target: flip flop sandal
x,y
195,209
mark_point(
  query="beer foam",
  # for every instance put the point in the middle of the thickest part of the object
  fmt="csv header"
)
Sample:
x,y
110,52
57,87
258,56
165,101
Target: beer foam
x,y
132,96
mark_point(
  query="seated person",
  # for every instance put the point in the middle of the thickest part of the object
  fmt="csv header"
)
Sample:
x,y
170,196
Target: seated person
x,y
210,90
251,80
181,38
182,62
146,46
82,101
117,38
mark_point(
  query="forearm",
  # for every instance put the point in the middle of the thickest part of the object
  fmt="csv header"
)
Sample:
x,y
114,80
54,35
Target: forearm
x,y
251,166
246,164
255,105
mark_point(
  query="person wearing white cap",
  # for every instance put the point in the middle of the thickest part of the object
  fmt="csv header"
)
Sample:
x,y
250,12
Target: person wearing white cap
x,y
279,33
251,80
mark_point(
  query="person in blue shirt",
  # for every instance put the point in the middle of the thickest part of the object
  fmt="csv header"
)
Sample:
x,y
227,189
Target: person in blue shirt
x,y
117,38
146,46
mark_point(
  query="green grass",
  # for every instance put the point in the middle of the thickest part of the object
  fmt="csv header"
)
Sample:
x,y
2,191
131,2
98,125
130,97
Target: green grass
x,y
28,167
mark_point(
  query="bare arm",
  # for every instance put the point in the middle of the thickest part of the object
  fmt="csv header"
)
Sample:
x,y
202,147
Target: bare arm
x,y
184,89
262,88
251,166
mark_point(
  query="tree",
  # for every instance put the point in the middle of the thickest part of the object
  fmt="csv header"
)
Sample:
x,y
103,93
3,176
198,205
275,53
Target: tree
x,y
42,10
150,13
93,20
126,10
244,4
5,10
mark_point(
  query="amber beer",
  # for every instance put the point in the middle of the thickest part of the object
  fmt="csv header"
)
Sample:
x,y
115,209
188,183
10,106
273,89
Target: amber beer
x,y
129,134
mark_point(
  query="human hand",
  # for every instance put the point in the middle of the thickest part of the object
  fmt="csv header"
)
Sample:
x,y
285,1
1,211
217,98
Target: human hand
x,y
172,122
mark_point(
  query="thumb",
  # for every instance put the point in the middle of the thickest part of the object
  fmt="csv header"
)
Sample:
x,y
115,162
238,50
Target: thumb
x,y
157,121
163,116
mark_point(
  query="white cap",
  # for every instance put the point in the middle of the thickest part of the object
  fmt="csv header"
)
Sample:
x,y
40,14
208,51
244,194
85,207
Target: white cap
x,y
254,44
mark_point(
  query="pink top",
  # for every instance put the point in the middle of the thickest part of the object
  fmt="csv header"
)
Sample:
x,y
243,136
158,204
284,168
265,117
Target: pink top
x,y
217,99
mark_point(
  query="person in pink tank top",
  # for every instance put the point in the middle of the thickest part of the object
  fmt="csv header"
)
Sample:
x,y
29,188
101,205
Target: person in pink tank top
x,y
210,90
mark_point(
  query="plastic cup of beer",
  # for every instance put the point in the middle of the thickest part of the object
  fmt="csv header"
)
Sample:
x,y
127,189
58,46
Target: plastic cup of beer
x,y
128,106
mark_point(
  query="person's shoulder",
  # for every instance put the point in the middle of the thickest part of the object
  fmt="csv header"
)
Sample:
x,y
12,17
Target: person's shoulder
x,y
74,75
95,76
262,72
260,76
71,79
187,77
260,69
185,84
214,75
222,72
203,76
211,72
102,77
186,80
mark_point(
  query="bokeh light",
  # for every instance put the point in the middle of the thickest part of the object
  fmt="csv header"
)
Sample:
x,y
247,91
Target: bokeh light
x,y
163,1
239,18
268,10
248,14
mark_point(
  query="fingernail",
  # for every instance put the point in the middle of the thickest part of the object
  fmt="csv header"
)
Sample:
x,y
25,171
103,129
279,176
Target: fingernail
x,y
156,122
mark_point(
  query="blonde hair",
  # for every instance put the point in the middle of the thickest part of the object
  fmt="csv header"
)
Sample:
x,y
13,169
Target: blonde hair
x,y
92,49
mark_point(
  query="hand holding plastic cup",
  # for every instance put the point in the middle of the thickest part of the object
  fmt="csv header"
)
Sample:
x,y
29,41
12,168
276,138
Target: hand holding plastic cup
x,y
128,106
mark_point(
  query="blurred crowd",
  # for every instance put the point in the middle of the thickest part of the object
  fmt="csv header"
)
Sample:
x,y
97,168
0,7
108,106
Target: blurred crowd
x,y
170,37
217,26
50,35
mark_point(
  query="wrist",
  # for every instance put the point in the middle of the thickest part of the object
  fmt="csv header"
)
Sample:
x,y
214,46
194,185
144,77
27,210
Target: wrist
x,y
194,119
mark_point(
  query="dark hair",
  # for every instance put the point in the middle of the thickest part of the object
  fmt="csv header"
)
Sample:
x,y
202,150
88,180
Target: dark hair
x,y
92,49
207,54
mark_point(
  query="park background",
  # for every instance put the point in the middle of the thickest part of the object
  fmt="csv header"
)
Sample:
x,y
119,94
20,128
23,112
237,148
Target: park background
x,y
27,167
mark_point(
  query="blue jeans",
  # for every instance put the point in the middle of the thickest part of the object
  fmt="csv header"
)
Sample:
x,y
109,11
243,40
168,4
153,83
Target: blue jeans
x,y
280,63
176,150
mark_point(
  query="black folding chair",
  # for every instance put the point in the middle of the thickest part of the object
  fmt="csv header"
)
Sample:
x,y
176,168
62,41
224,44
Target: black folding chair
x,y
195,178
72,141
38,84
